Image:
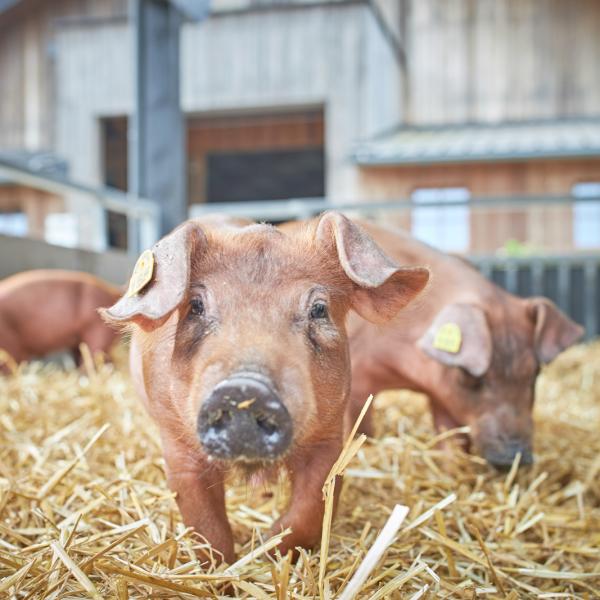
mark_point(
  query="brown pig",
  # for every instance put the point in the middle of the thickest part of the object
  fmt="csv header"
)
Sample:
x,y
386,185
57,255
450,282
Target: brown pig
x,y
239,352
46,311
484,374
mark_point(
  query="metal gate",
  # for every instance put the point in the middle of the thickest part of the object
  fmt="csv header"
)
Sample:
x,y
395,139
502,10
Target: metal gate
x,y
571,281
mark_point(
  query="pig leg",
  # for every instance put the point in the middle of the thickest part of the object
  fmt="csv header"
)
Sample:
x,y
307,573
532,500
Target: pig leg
x,y
12,351
98,338
200,496
304,514
76,354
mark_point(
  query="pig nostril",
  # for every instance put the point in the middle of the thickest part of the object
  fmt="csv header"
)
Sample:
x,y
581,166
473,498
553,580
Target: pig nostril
x,y
219,420
266,424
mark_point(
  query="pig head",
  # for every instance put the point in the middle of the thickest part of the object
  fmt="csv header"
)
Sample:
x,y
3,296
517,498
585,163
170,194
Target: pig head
x,y
488,383
239,352
473,348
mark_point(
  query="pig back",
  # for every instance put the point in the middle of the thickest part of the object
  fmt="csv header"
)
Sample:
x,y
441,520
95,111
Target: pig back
x,y
45,311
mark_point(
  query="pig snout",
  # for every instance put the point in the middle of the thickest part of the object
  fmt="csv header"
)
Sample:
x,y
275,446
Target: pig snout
x,y
502,455
243,418
501,434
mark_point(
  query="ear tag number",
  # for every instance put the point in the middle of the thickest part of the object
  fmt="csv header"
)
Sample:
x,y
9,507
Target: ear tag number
x,y
448,338
142,273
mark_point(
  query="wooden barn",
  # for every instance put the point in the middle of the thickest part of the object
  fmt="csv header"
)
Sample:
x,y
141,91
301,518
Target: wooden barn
x,y
439,101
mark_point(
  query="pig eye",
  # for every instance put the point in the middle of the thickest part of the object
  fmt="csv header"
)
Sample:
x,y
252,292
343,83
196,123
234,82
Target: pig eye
x,y
318,311
196,306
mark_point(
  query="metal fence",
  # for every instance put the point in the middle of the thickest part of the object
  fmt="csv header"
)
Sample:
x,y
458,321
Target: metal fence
x,y
571,281
142,215
302,208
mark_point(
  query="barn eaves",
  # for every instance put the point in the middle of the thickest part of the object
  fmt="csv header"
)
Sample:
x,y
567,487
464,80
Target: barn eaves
x,y
509,141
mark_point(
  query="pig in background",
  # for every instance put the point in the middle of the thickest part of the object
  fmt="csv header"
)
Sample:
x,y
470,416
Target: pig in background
x,y
45,311
240,354
488,382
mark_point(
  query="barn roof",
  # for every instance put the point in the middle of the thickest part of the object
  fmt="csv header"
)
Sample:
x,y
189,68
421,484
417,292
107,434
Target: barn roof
x,y
479,142
44,163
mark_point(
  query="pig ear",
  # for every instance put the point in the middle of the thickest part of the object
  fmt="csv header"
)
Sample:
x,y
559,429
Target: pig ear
x,y
168,285
459,337
382,288
554,331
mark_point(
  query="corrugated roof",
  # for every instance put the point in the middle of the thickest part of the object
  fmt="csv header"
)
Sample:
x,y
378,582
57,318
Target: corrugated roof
x,y
44,163
483,142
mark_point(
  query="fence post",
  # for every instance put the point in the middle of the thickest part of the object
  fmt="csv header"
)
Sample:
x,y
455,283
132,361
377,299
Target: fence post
x,y
591,302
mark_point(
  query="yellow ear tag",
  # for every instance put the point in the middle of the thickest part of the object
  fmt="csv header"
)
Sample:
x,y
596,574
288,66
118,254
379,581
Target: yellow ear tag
x,y
448,338
142,273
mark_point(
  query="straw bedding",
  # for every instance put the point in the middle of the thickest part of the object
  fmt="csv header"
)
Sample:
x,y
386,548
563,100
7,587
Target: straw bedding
x,y
85,512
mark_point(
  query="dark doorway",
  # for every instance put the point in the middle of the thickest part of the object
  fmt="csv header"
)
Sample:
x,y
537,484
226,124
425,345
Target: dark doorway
x,y
114,160
239,176
248,157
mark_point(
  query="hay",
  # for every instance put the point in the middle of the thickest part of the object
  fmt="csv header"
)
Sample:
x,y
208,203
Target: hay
x,y
85,512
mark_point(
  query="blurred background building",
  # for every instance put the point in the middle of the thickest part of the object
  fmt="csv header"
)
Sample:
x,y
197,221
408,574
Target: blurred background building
x,y
348,100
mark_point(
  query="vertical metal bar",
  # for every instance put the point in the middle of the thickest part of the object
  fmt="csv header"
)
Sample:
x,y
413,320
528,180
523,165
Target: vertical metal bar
x,y
133,232
103,225
564,283
134,133
486,268
148,230
537,277
157,131
590,271
511,276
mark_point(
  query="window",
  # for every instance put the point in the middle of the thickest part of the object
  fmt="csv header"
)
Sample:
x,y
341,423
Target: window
x,y
445,227
14,223
586,215
61,229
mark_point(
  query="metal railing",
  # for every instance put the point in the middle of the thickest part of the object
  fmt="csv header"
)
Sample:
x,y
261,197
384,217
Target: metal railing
x,y
302,208
142,215
571,281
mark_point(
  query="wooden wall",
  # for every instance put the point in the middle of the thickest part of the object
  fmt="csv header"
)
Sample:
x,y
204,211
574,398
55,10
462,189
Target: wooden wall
x,y
21,254
66,64
468,60
27,75
546,227
494,60
326,56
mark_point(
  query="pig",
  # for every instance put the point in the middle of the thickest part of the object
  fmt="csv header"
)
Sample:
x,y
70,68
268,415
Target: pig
x,y
488,383
239,353
44,311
